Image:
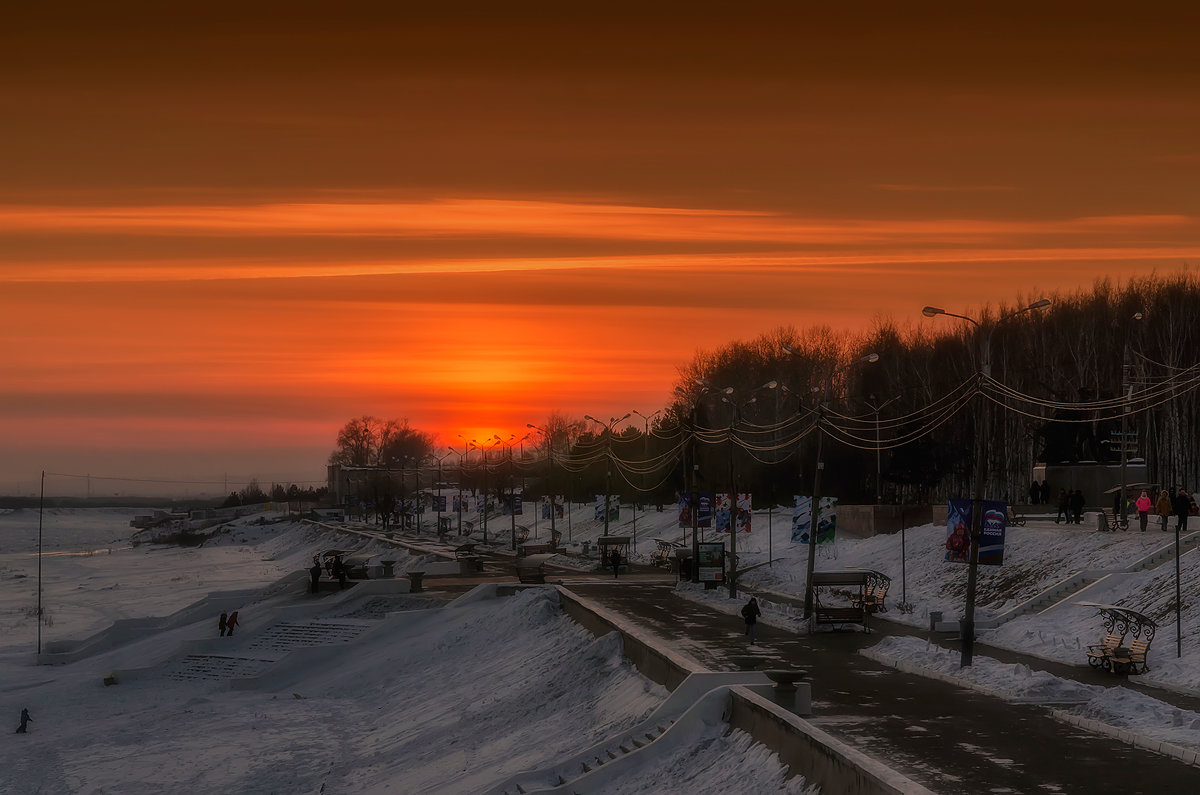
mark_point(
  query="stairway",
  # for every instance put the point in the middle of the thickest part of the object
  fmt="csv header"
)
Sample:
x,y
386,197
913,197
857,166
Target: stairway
x,y
266,648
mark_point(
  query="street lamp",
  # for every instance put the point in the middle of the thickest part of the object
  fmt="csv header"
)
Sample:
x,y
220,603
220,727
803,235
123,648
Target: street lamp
x,y
549,476
645,460
439,489
693,497
981,451
608,427
512,489
1126,393
876,408
815,519
460,482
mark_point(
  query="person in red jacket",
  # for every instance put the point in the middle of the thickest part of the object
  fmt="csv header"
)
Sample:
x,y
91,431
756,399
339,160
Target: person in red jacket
x,y
1143,505
231,622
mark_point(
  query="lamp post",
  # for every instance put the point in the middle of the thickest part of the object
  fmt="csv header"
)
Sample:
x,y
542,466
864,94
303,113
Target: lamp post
x,y
512,488
815,520
876,408
549,475
608,429
732,496
645,458
439,489
1126,393
985,372
41,503
692,496
460,483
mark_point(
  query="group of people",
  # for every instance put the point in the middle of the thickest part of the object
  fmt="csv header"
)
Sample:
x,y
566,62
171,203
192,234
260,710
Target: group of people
x,y
227,623
1070,506
1039,493
336,568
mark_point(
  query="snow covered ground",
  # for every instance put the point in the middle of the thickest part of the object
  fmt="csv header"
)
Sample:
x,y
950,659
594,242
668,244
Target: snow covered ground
x,y
437,700
453,700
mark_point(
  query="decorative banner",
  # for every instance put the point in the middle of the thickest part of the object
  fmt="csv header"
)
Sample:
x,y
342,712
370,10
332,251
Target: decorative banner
x,y
439,502
991,533
722,513
517,505
552,503
802,520
614,509
744,513
460,502
710,566
685,510
704,514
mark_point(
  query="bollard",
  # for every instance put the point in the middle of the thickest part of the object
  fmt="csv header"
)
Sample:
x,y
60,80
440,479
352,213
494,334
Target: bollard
x,y
414,581
935,618
388,572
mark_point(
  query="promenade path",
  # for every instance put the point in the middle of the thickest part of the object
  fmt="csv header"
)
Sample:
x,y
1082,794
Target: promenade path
x,y
951,739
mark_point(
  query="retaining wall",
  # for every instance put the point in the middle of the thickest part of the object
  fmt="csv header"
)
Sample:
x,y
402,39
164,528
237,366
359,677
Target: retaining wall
x,y
820,758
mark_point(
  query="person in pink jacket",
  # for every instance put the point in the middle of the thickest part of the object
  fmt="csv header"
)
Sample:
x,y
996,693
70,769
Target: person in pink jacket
x,y
1143,505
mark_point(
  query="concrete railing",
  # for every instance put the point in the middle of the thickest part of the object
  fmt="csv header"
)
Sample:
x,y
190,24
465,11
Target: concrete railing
x,y
822,759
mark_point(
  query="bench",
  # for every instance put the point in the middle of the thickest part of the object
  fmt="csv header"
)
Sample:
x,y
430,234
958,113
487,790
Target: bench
x,y
824,614
1131,659
1126,646
531,569
664,554
1100,654
469,562
873,597
535,549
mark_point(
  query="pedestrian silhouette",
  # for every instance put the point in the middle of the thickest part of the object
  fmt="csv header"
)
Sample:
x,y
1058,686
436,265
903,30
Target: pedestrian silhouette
x,y
25,719
614,560
223,623
232,622
750,614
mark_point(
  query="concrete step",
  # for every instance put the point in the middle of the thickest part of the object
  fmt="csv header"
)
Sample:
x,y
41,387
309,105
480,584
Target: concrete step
x,y
213,667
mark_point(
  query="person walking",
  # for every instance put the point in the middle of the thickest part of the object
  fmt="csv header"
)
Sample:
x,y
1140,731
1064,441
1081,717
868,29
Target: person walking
x,y
25,719
339,571
1077,502
1143,505
223,622
315,574
1035,492
1045,492
232,622
1183,506
750,614
614,560
1064,507
1163,508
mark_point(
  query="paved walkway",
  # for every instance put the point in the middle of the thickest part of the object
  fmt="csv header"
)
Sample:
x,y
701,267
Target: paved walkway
x,y
951,739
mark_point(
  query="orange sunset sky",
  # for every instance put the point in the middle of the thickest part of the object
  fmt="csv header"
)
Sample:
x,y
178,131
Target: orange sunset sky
x,y
225,230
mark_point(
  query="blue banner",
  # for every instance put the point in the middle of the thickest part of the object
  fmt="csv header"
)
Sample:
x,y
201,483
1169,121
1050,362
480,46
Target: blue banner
x,y
991,531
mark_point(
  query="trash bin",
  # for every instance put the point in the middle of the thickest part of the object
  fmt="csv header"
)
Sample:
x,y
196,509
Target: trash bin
x,y
586,548
388,573
414,581
684,565
935,618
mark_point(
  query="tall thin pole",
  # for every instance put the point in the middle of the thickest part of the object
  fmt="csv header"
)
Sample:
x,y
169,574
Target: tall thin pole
x,y
732,509
41,503
816,508
968,622
1178,596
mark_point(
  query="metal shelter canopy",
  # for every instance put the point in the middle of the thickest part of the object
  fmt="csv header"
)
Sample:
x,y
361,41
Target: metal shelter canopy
x,y
1123,621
